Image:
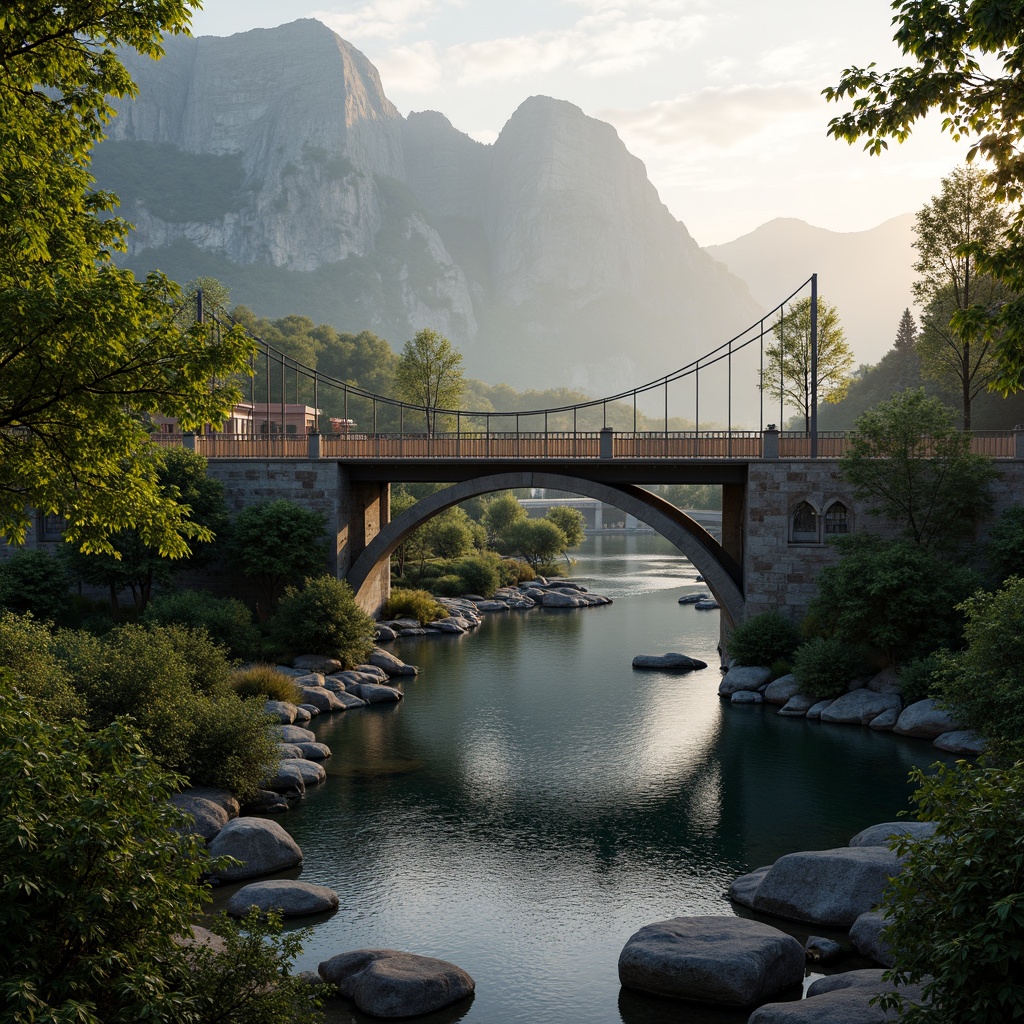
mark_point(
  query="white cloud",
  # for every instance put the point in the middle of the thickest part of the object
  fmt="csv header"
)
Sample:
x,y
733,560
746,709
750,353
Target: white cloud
x,y
382,19
413,68
724,119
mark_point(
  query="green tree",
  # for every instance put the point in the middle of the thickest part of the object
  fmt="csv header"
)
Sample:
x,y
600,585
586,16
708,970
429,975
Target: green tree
x,y
277,544
916,469
429,374
138,565
908,371
87,353
99,882
955,909
787,372
894,597
964,60
1004,547
984,683
501,512
323,618
538,541
34,581
964,216
449,533
571,522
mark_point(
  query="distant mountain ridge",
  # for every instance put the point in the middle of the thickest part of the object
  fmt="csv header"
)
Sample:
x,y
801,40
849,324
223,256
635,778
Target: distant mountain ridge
x,y
274,161
866,275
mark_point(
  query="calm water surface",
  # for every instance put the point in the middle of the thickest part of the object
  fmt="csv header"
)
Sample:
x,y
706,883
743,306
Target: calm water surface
x,y
534,801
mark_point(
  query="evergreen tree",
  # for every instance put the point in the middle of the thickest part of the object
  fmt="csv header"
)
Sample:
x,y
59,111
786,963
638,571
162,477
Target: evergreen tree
x,y
909,367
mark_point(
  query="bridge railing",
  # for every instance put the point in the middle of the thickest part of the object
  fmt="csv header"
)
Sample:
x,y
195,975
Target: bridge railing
x,y
593,444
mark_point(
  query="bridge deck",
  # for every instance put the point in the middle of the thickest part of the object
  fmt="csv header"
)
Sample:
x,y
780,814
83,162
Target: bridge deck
x,y
585,445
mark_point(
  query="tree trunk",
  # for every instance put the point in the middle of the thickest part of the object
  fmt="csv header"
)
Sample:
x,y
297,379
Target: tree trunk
x,y
965,374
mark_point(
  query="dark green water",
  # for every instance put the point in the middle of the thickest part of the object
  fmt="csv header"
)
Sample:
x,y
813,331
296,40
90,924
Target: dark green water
x,y
534,801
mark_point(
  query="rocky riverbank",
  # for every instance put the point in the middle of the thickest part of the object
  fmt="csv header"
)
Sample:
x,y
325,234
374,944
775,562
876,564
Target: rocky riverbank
x,y
876,702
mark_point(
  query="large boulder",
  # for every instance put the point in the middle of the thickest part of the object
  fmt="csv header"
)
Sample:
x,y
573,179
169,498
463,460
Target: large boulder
x,y
880,835
561,599
675,662
746,697
743,888
390,664
207,817
375,693
281,711
322,699
729,961
866,936
310,679
350,700
860,706
815,710
312,773
368,674
961,741
837,999
261,847
314,751
291,898
797,706
317,663
294,734
743,677
288,777
886,681
925,719
885,722
825,887
781,690
388,983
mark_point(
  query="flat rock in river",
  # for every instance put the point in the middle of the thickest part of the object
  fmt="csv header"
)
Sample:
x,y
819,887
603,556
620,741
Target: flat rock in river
x,y
728,961
674,661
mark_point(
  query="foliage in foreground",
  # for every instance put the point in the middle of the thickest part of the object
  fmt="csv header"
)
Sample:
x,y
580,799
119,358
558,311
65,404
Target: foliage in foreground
x,y
763,639
36,582
956,910
892,596
97,882
29,655
174,682
983,685
323,618
86,350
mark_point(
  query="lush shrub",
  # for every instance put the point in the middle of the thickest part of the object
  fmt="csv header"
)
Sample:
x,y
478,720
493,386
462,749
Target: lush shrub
x,y
413,604
449,586
249,982
984,684
1004,549
955,919
763,639
35,582
511,571
894,596
267,682
824,666
226,620
479,574
28,653
323,618
229,744
173,681
99,879
919,679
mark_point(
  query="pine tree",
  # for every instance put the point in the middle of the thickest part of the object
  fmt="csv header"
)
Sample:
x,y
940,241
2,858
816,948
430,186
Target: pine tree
x,y
909,374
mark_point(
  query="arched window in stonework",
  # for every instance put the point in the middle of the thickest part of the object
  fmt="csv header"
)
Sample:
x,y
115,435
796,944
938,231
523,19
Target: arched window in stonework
x,y
837,519
804,524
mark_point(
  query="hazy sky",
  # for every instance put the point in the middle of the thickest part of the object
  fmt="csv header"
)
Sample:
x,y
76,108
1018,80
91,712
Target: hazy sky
x,y
719,98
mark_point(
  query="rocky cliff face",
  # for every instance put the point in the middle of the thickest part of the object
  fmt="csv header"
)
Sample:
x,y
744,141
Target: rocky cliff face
x,y
274,161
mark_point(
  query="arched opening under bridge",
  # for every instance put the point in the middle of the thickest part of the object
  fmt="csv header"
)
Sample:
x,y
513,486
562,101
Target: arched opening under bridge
x,y
722,574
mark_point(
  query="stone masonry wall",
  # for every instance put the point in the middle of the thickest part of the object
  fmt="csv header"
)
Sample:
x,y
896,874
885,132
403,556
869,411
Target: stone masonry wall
x,y
780,574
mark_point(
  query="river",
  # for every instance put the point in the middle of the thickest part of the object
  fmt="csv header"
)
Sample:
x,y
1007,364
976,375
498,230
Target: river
x,y
534,800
